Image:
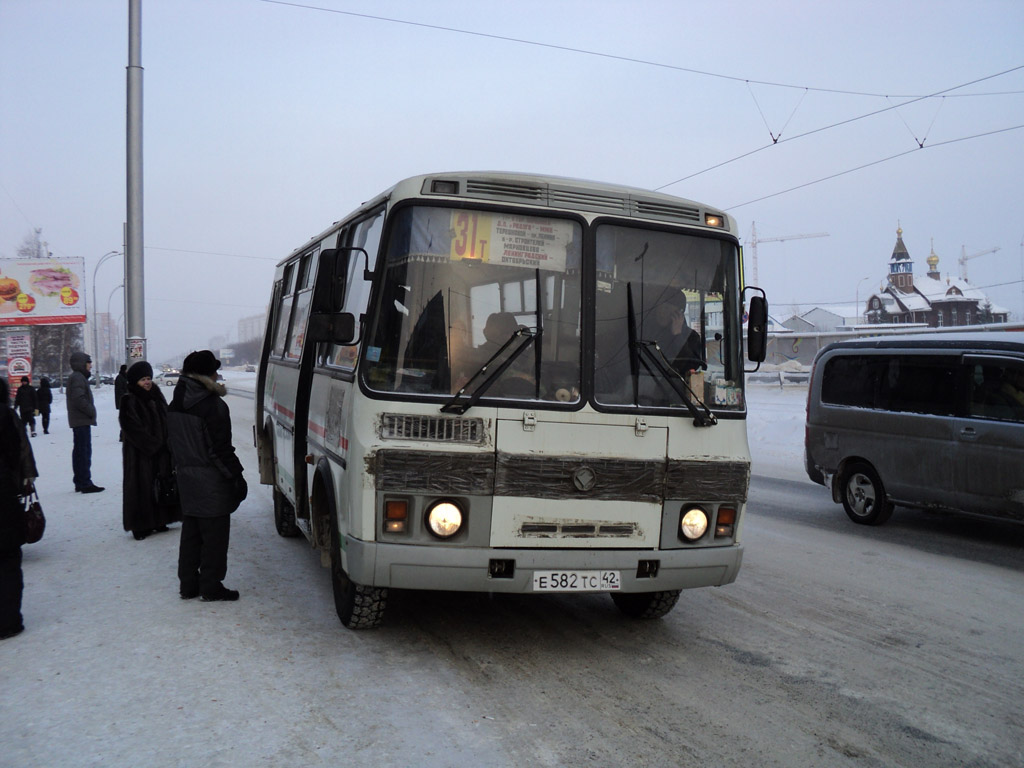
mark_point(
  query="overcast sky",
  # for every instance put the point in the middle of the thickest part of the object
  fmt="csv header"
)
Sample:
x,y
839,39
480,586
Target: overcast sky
x,y
266,121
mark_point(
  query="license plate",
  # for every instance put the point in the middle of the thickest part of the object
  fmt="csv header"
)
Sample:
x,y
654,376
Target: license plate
x,y
575,581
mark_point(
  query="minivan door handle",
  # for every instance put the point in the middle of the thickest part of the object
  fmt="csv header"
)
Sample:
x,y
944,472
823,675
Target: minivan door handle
x,y
968,433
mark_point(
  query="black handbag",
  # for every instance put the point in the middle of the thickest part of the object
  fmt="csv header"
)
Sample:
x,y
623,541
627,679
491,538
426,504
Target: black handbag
x,y
32,517
165,489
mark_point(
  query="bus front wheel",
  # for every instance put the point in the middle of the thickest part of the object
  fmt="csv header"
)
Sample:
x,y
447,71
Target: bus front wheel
x,y
358,606
646,605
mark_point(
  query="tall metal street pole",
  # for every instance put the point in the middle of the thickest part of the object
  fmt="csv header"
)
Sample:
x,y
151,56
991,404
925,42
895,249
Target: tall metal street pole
x,y
135,310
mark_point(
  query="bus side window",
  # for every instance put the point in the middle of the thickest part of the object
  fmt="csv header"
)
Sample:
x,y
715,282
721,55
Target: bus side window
x,y
300,307
283,311
366,235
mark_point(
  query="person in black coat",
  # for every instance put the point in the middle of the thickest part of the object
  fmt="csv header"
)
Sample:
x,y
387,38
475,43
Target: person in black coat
x,y
145,455
44,399
121,385
210,481
17,471
25,402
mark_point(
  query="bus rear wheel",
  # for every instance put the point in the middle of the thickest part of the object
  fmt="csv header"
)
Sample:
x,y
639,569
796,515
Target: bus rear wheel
x,y
646,605
284,516
358,606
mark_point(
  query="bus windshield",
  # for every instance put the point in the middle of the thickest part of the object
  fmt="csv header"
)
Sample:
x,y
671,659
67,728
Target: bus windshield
x,y
666,297
478,299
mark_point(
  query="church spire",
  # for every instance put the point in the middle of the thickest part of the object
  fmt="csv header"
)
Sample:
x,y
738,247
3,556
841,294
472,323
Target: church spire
x,y
901,268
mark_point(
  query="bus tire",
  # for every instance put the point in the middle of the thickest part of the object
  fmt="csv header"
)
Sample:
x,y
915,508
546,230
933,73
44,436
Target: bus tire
x,y
358,606
863,494
284,516
646,605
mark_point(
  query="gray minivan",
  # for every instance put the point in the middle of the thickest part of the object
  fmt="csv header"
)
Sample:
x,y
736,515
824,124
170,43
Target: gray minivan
x,y
932,420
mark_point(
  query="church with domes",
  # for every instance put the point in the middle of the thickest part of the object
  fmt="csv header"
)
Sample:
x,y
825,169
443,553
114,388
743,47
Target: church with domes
x,y
933,299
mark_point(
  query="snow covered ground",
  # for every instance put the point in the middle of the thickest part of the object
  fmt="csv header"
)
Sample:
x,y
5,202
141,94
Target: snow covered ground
x,y
115,670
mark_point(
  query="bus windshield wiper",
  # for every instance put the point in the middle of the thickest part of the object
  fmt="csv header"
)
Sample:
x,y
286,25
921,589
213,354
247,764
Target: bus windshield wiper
x,y
456,405
640,350
677,381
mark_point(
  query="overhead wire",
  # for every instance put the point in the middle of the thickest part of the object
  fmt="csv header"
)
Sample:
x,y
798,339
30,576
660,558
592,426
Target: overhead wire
x,y
873,162
820,129
599,54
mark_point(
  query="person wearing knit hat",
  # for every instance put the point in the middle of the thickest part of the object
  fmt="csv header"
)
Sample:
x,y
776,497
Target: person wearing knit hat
x,y
148,501
81,419
210,481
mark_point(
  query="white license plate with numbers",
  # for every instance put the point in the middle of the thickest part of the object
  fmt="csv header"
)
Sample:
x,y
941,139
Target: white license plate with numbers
x,y
575,581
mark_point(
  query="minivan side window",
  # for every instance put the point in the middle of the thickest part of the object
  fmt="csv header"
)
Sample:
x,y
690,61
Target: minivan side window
x,y
997,391
904,383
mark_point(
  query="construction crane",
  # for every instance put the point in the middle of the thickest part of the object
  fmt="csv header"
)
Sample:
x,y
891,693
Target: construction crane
x,y
754,240
964,258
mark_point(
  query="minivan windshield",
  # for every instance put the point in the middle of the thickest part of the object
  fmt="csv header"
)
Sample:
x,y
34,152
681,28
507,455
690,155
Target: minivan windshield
x,y
479,298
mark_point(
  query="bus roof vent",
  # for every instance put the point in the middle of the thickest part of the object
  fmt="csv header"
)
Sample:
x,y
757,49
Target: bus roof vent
x,y
588,201
505,190
435,429
657,209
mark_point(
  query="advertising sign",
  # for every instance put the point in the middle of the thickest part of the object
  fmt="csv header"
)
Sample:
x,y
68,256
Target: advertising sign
x,y
42,291
19,358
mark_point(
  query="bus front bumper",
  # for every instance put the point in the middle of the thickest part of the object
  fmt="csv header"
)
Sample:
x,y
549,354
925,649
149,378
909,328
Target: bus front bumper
x,y
470,569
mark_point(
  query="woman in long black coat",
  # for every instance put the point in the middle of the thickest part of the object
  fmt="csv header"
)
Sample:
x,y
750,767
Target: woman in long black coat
x,y
143,418
17,470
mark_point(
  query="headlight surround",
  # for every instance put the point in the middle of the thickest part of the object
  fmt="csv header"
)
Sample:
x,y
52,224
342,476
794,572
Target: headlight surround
x,y
444,519
693,523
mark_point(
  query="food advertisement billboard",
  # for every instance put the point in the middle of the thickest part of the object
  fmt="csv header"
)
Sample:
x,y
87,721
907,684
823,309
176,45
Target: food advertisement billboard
x,y
42,291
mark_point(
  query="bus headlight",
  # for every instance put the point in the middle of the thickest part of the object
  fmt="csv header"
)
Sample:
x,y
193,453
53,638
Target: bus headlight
x,y
444,519
693,524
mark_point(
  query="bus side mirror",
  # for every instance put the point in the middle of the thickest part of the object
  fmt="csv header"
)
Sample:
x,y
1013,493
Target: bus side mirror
x,y
334,328
757,329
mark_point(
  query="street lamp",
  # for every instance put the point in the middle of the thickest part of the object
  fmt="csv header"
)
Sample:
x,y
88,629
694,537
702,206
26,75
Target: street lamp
x,y
857,299
95,320
115,290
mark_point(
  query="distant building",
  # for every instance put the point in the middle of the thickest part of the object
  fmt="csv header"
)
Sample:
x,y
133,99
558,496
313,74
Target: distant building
x,y
932,300
250,328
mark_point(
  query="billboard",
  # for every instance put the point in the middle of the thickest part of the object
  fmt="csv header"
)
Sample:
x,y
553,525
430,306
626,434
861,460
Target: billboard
x,y
42,291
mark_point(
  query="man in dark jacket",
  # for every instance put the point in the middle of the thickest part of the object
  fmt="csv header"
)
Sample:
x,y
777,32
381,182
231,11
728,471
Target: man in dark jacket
x,y
25,402
120,385
81,419
210,482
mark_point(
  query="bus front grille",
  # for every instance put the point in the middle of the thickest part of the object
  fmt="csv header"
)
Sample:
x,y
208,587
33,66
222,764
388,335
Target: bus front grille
x,y
435,429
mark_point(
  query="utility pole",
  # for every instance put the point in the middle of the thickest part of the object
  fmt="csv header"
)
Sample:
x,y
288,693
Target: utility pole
x,y
135,310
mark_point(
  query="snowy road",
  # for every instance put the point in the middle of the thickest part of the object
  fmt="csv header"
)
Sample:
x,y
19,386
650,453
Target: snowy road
x,y
838,645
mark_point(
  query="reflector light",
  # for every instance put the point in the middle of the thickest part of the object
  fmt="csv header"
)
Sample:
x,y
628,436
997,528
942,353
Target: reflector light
x,y
444,187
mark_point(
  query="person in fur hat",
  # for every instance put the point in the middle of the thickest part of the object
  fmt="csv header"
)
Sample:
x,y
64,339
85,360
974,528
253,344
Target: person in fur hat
x,y
210,481
145,455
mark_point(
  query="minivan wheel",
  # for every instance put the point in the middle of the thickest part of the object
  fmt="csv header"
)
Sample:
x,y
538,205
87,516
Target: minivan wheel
x,y
863,495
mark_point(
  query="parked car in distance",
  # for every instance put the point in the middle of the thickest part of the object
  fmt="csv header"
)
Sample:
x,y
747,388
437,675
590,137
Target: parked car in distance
x,y
934,421
168,378
250,368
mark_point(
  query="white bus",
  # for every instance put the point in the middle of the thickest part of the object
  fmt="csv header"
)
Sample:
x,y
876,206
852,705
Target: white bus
x,y
512,383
